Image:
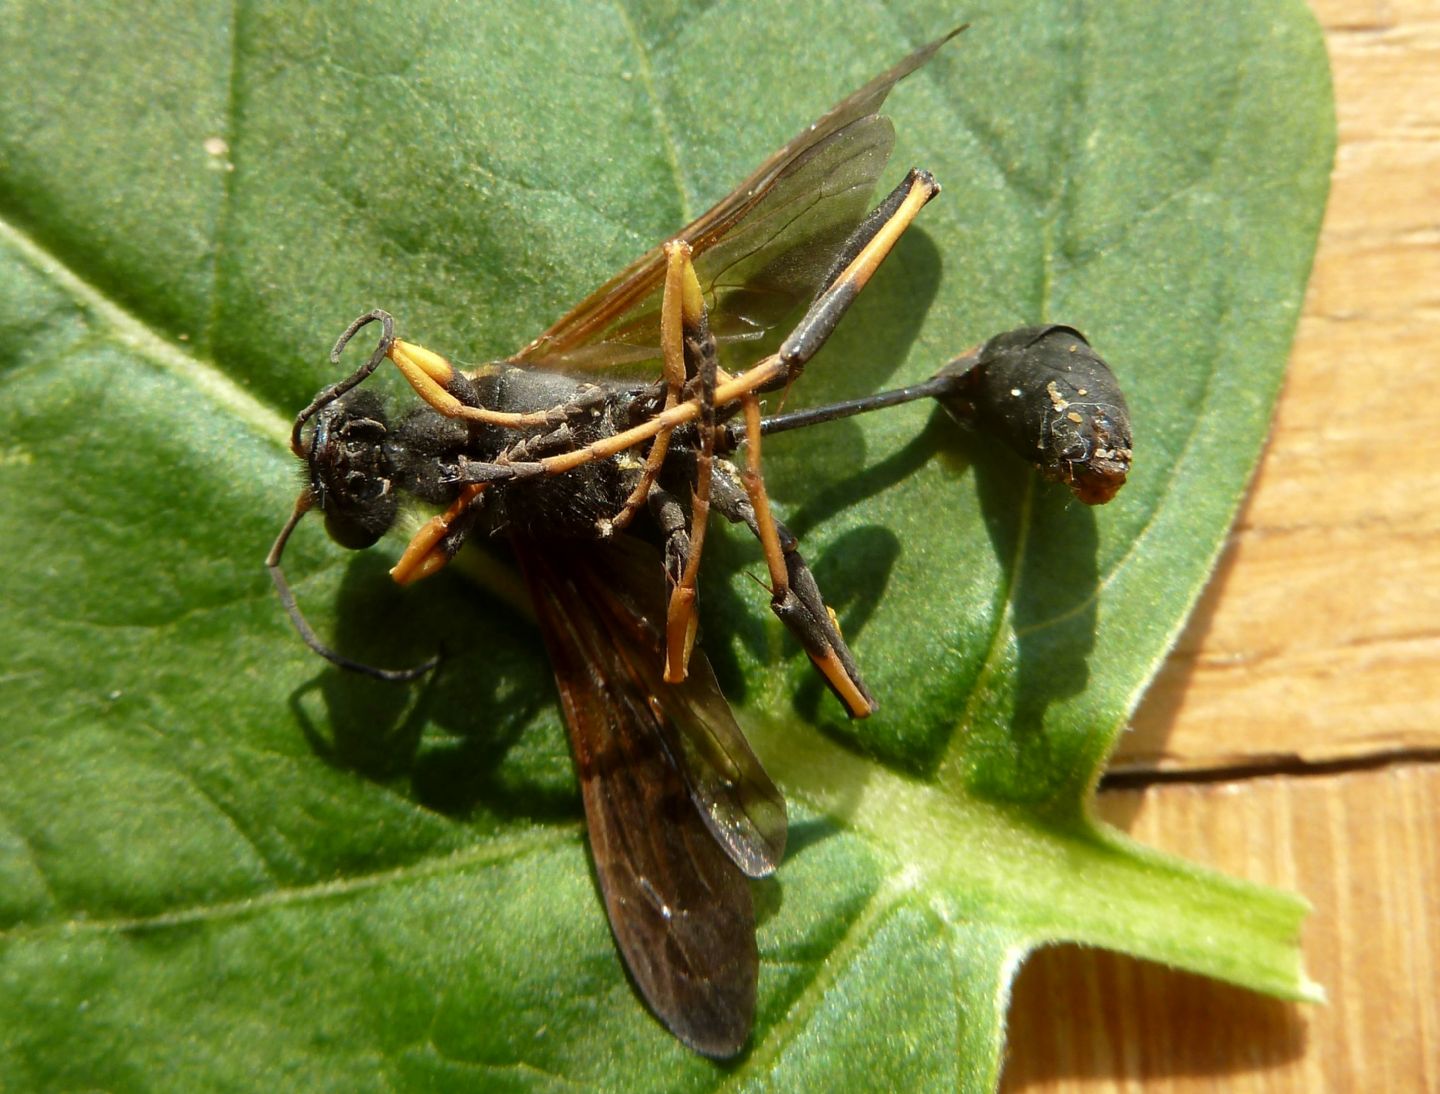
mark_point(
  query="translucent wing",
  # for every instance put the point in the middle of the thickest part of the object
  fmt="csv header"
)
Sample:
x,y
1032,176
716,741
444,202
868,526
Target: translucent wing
x,y
760,251
678,807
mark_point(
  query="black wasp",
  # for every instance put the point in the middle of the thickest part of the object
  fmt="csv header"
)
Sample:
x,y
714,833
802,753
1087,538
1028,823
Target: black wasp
x,y
602,483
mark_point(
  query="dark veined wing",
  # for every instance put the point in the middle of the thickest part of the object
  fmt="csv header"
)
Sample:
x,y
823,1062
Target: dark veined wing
x,y
772,260
742,807
678,807
761,251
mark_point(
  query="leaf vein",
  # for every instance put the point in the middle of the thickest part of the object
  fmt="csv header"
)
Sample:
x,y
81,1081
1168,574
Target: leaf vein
x,y
496,851
657,111
141,339
840,956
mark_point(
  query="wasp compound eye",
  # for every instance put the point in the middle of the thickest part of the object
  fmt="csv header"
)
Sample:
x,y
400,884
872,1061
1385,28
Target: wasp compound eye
x,y
351,470
1051,399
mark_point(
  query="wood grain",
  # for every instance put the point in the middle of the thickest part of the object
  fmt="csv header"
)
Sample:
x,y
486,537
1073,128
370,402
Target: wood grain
x,y
1320,634
1085,1020
1317,643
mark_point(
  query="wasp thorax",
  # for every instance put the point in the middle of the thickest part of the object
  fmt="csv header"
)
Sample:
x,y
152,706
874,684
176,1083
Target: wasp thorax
x,y
351,470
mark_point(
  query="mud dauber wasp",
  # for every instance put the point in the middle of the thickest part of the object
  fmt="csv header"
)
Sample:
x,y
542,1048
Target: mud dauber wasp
x,y
601,485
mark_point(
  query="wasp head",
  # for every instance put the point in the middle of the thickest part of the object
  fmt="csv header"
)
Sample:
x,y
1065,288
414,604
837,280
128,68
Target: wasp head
x,y
351,469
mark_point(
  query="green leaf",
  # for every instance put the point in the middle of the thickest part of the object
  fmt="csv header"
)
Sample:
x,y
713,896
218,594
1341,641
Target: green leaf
x,y
225,865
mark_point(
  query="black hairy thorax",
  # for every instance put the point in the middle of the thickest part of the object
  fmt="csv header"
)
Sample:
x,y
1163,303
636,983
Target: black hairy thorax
x,y
432,452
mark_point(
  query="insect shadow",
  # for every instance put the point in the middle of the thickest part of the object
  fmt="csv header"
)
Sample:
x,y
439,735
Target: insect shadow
x,y
1048,545
493,686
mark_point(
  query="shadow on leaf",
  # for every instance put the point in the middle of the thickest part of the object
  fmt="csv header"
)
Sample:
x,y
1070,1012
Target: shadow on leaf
x,y
491,689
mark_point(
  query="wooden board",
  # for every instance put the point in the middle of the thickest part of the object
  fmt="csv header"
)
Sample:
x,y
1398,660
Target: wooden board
x,y
1315,653
1364,847
1320,635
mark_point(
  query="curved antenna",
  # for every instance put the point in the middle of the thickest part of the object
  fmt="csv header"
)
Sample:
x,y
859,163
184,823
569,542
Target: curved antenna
x,y
303,504
307,500
334,391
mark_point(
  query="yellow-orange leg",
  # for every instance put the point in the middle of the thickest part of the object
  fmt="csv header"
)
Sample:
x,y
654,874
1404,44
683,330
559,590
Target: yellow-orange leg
x,y
782,598
682,620
436,381
807,338
874,241
425,554
861,257
680,284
